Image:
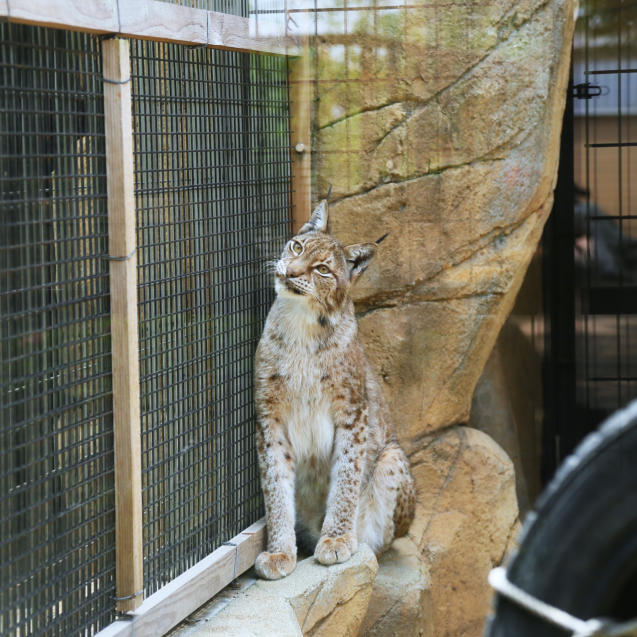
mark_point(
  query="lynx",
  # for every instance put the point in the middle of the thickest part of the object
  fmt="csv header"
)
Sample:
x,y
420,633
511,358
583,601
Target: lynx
x,y
332,472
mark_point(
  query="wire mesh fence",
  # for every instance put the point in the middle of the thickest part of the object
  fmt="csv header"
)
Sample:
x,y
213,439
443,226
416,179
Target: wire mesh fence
x,y
212,188
57,521
212,174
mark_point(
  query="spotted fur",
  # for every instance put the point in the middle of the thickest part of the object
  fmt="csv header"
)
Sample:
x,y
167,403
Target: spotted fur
x,y
331,469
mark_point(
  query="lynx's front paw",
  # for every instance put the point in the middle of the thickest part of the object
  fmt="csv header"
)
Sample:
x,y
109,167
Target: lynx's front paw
x,y
331,550
274,565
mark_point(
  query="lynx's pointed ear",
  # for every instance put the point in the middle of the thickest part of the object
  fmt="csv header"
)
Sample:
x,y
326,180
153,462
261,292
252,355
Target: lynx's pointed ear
x,y
358,257
318,220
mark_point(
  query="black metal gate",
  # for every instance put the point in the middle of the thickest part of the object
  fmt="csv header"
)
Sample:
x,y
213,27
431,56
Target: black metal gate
x,y
591,240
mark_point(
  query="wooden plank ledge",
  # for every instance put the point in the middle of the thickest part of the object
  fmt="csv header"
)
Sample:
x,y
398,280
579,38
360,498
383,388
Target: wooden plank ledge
x,y
147,19
95,16
185,594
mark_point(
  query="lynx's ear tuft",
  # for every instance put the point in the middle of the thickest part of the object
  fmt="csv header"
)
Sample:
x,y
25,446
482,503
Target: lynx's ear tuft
x,y
379,241
318,220
358,257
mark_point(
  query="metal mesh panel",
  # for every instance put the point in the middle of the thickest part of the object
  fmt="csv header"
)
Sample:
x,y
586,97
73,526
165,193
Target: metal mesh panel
x,y
605,210
212,187
57,521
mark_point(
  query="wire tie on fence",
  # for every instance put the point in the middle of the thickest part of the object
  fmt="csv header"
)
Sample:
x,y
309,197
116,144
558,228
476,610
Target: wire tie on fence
x,y
236,555
109,257
127,597
109,81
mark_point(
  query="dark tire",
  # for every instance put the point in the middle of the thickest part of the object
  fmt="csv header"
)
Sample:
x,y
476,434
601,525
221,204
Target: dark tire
x,y
578,549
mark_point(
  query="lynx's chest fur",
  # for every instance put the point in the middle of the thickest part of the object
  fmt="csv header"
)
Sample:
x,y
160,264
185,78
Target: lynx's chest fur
x,y
303,367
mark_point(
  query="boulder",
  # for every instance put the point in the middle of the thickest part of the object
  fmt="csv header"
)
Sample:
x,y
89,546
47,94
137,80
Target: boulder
x,y
426,345
507,405
441,127
328,600
400,604
466,522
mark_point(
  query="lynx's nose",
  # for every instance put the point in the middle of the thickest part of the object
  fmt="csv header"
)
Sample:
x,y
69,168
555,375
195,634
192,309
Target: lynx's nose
x,y
294,271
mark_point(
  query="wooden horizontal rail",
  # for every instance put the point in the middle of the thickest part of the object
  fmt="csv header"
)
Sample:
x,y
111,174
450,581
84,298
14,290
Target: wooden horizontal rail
x,y
148,20
185,594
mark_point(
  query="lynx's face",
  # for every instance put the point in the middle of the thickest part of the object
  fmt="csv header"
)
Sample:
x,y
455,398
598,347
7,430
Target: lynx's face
x,y
316,269
313,266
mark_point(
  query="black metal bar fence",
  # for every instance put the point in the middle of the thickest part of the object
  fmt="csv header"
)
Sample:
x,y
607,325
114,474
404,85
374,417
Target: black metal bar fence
x,y
212,184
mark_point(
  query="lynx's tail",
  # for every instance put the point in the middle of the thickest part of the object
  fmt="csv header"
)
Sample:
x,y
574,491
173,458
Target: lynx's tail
x,y
405,505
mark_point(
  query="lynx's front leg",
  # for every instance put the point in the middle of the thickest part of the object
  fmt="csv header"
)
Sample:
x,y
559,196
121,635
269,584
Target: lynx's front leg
x,y
277,480
338,541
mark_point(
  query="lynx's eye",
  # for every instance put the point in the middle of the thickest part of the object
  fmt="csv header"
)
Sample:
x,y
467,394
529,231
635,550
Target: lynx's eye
x,y
296,247
322,269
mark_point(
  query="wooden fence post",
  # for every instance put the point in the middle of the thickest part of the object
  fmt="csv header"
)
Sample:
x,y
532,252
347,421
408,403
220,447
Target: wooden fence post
x,y
301,134
124,330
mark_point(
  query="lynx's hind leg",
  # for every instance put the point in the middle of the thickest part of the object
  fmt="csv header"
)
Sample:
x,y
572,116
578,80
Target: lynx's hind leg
x,y
388,502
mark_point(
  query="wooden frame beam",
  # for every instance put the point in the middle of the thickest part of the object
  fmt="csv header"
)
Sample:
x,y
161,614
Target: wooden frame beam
x,y
147,19
185,594
300,79
118,125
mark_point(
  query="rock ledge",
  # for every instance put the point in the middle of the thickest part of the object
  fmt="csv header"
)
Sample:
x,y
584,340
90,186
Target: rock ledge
x,y
314,600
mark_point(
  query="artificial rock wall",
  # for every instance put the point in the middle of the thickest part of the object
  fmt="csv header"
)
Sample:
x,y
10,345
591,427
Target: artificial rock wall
x,y
440,124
